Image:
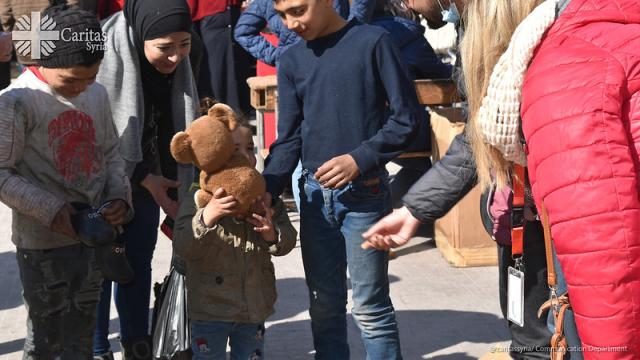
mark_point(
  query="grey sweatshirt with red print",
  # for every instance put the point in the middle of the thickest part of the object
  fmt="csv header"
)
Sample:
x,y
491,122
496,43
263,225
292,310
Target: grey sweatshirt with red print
x,y
55,150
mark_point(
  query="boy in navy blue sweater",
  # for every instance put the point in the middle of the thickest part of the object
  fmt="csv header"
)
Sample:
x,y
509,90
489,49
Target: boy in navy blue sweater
x,y
346,107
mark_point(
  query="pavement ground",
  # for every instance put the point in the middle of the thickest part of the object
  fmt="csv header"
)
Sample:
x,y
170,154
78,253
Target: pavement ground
x,y
443,312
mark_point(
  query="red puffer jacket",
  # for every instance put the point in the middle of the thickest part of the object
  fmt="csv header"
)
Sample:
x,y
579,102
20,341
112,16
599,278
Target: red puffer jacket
x,y
107,8
581,119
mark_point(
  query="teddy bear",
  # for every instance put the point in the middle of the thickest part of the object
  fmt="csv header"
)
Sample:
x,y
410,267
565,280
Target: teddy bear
x,y
207,143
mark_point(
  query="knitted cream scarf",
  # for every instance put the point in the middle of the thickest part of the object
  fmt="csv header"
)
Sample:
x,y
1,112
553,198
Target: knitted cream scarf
x,y
499,115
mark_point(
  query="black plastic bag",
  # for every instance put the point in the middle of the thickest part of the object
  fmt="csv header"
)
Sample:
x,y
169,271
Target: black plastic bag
x,y
171,332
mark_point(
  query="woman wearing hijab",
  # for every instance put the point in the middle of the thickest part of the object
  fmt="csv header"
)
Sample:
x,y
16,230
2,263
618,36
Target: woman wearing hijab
x,y
152,93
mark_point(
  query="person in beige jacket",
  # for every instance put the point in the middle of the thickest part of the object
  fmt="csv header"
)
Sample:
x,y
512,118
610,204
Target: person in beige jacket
x,y
230,278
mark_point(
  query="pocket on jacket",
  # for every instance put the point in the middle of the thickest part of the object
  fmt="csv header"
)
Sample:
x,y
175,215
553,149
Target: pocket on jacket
x,y
221,288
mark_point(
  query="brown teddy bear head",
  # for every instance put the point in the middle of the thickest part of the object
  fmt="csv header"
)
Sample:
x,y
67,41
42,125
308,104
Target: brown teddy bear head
x,y
207,142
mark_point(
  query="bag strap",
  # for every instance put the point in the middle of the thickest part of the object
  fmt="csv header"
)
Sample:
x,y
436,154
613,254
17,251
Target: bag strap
x,y
552,279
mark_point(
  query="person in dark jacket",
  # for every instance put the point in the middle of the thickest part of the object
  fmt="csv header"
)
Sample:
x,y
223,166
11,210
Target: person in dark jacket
x,y
438,190
408,35
421,63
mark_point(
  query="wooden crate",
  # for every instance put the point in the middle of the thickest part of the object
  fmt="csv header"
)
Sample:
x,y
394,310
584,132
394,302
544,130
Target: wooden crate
x,y
264,92
436,92
431,93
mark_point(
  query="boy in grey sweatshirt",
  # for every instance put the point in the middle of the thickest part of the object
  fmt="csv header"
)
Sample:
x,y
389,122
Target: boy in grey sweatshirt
x,y
58,146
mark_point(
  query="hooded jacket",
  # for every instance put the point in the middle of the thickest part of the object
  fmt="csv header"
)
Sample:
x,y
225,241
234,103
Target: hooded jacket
x,y
408,36
581,120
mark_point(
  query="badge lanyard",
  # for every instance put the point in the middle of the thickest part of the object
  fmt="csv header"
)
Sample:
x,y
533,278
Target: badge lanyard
x,y
515,279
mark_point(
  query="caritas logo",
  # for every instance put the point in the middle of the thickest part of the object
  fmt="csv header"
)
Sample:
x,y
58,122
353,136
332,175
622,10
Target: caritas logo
x,y
72,139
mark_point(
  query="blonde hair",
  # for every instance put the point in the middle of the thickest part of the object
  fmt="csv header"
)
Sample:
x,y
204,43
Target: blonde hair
x,y
489,27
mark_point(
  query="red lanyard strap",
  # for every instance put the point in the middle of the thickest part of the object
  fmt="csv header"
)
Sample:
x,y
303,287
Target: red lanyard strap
x,y
517,211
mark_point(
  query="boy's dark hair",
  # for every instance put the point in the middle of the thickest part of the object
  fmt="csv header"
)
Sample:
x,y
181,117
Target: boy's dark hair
x,y
81,40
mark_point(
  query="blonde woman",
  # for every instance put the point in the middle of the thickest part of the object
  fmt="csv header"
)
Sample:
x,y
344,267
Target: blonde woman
x,y
574,82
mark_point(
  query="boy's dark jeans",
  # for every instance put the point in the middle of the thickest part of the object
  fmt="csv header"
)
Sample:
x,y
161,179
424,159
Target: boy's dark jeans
x,y
61,289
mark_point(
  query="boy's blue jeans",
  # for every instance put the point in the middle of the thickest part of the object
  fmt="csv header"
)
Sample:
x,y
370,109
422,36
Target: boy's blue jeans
x,y
132,300
209,340
295,180
332,223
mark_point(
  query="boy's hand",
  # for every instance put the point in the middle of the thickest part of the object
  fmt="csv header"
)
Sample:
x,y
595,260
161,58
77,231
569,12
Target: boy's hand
x,y
337,172
158,186
115,213
218,207
263,224
62,222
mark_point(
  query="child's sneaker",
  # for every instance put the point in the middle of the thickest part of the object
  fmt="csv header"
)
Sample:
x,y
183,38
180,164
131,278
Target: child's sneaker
x,y
104,356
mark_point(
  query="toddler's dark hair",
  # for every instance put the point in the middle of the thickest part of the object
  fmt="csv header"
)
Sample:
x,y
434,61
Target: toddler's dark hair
x,y
207,102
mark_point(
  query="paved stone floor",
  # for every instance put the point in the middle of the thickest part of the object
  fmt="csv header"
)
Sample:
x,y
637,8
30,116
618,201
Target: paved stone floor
x,y
443,312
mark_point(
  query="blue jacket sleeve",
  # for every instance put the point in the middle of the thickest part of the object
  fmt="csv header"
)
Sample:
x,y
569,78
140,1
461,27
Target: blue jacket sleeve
x,y
284,153
247,33
404,110
362,10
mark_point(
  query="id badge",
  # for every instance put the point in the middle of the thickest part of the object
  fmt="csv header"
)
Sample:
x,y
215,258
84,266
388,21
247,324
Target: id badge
x,y
515,296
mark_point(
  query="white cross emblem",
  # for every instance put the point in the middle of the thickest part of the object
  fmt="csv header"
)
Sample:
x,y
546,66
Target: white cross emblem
x,y
35,36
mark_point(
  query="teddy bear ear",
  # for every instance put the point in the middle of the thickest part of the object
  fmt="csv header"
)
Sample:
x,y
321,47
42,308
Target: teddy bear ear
x,y
225,114
181,148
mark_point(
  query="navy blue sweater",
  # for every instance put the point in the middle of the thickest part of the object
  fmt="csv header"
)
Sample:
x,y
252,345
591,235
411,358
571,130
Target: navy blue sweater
x,y
344,93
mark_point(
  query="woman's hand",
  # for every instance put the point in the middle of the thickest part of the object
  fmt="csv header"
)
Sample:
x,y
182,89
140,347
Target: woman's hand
x,y
393,230
218,207
158,186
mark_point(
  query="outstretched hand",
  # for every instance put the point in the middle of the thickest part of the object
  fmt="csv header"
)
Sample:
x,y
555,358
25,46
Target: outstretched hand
x,y
393,230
